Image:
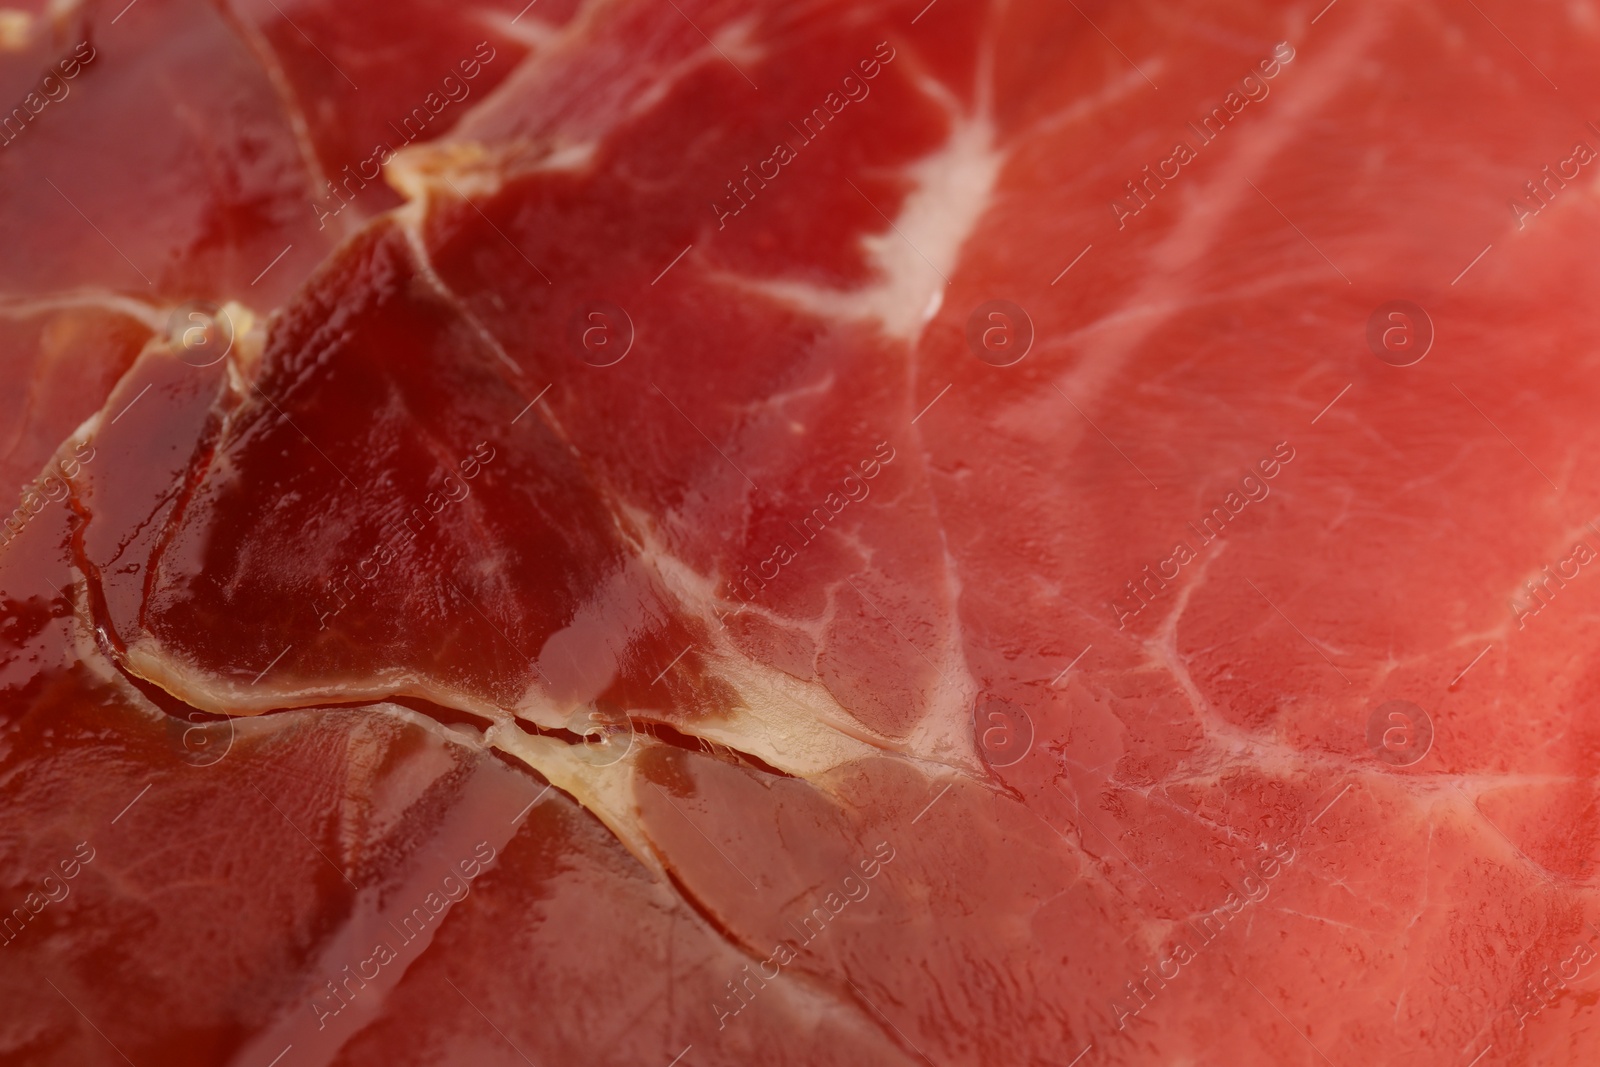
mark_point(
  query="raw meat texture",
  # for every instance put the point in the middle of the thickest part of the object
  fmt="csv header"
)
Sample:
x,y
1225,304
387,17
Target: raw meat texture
x,y
131,177
62,362
648,506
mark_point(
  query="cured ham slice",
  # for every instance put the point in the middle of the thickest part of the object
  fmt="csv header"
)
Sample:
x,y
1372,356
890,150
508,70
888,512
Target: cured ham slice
x,y
829,534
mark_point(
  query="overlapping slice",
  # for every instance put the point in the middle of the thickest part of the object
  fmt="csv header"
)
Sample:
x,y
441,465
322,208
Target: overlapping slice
x,y
196,179
614,425
62,362
361,88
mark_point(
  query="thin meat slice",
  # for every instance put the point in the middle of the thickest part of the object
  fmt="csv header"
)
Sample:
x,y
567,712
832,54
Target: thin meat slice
x,y
63,360
563,914
380,536
188,193
975,593
360,89
152,847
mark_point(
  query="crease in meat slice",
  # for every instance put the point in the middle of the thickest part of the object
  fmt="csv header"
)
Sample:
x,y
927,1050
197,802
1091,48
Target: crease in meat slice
x,y
816,732
600,777
796,726
604,789
607,792
792,725
150,660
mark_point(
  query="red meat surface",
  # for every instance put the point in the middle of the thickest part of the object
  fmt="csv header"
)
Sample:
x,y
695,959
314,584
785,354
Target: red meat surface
x,y
829,533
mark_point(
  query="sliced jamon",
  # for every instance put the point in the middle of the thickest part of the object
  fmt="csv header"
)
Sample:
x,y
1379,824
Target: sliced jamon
x,y
941,498
62,361
188,193
360,90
